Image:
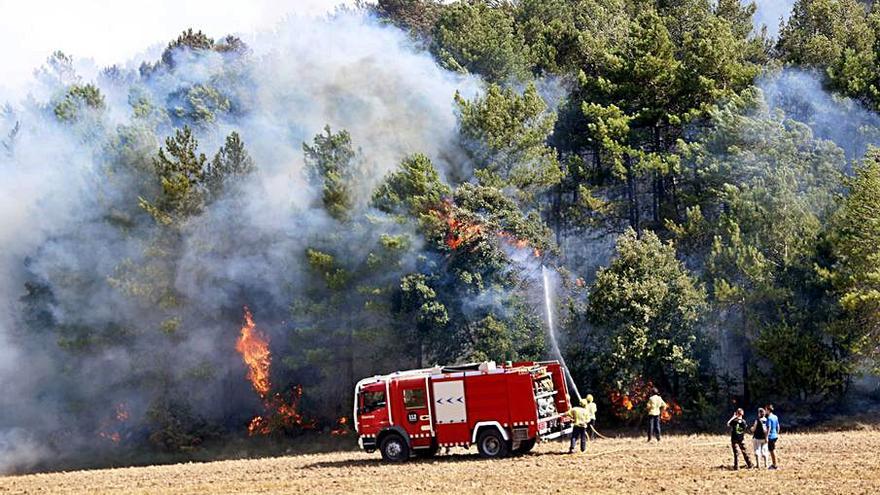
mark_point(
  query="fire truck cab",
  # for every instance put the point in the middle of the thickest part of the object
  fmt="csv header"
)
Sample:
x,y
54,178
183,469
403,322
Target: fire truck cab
x,y
500,409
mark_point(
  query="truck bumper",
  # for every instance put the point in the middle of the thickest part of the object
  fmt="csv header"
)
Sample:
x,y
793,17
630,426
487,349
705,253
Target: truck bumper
x,y
367,443
557,434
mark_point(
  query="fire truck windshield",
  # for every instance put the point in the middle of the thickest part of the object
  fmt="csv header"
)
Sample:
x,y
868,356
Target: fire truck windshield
x,y
372,400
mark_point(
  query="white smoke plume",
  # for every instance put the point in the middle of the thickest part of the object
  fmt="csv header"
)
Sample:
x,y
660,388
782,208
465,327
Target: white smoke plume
x,y
801,95
69,219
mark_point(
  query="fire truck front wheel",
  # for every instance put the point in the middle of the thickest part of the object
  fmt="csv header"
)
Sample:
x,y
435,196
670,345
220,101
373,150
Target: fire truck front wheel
x,y
394,448
491,444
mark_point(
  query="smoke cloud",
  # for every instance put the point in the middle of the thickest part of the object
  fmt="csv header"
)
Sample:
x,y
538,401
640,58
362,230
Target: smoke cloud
x,y
75,244
799,93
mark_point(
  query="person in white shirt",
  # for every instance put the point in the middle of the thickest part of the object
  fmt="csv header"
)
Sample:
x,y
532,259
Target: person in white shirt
x,y
656,405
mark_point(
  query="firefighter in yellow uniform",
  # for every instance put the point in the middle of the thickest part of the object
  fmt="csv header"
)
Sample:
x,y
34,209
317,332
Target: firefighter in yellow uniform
x,y
591,415
580,418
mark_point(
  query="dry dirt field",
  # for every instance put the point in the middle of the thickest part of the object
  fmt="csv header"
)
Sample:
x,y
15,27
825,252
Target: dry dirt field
x,y
826,463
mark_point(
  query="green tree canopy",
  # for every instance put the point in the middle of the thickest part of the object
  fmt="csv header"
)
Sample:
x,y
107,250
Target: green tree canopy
x,y
505,133
331,164
648,307
856,272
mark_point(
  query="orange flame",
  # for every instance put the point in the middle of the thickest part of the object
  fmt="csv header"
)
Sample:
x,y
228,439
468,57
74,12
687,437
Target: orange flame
x,y
109,428
253,346
458,231
461,232
341,427
282,414
621,402
254,349
121,412
672,410
113,437
258,425
518,243
629,403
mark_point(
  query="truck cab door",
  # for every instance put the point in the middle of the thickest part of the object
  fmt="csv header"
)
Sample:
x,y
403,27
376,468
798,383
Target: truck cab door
x,y
372,410
416,418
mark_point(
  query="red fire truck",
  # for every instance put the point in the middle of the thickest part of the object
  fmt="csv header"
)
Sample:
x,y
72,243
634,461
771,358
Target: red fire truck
x,y
500,409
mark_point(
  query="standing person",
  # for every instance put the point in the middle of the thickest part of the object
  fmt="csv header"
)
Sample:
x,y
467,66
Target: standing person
x,y
655,408
772,434
591,416
759,439
737,437
580,417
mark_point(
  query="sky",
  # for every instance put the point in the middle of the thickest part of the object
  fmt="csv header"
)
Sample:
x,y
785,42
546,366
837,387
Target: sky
x,y
770,11
115,31
105,32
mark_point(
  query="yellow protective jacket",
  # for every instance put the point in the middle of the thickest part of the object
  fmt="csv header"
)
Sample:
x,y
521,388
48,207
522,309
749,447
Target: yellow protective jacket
x,y
591,411
579,416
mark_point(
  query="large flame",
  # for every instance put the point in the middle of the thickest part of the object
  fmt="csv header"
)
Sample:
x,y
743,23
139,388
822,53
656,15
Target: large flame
x,y
281,413
254,349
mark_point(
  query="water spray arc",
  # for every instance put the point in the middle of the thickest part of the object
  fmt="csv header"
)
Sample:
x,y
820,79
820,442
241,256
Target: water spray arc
x,y
551,329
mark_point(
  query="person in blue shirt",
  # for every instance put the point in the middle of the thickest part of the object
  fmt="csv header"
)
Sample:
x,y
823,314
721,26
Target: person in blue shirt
x,y
772,434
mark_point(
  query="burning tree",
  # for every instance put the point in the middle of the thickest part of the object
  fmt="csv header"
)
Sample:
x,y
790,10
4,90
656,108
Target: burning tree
x,y
629,403
281,414
470,304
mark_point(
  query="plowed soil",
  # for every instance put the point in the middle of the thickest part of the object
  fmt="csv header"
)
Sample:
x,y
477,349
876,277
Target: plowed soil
x,y
826,463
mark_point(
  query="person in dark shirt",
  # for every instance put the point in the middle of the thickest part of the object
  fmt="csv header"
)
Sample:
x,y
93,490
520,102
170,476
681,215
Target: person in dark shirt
x,y
759,439
738,428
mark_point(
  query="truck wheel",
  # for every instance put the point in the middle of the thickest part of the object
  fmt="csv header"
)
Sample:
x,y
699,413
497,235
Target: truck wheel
x,y
526,446
394,448
491,444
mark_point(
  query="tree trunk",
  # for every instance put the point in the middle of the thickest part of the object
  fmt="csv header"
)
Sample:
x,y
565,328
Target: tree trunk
x,y
746,357
632,195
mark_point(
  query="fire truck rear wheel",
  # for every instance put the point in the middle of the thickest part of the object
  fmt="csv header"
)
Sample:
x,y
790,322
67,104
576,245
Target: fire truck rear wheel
x,y
526,446
394,448
491,444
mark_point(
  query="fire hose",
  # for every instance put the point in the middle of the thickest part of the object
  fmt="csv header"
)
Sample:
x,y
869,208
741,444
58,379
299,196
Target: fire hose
x,y
597,433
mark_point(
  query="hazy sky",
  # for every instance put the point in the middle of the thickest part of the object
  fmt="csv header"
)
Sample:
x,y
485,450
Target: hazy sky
x,y
770,11
113,31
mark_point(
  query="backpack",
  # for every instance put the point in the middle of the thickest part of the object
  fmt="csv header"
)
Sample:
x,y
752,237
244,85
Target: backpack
x,y
761,429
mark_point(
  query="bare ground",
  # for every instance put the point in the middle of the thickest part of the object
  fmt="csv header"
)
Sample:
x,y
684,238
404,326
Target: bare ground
x,y
826,463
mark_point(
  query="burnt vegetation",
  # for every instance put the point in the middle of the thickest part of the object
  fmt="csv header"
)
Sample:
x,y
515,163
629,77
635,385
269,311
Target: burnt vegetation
x,y
709,240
